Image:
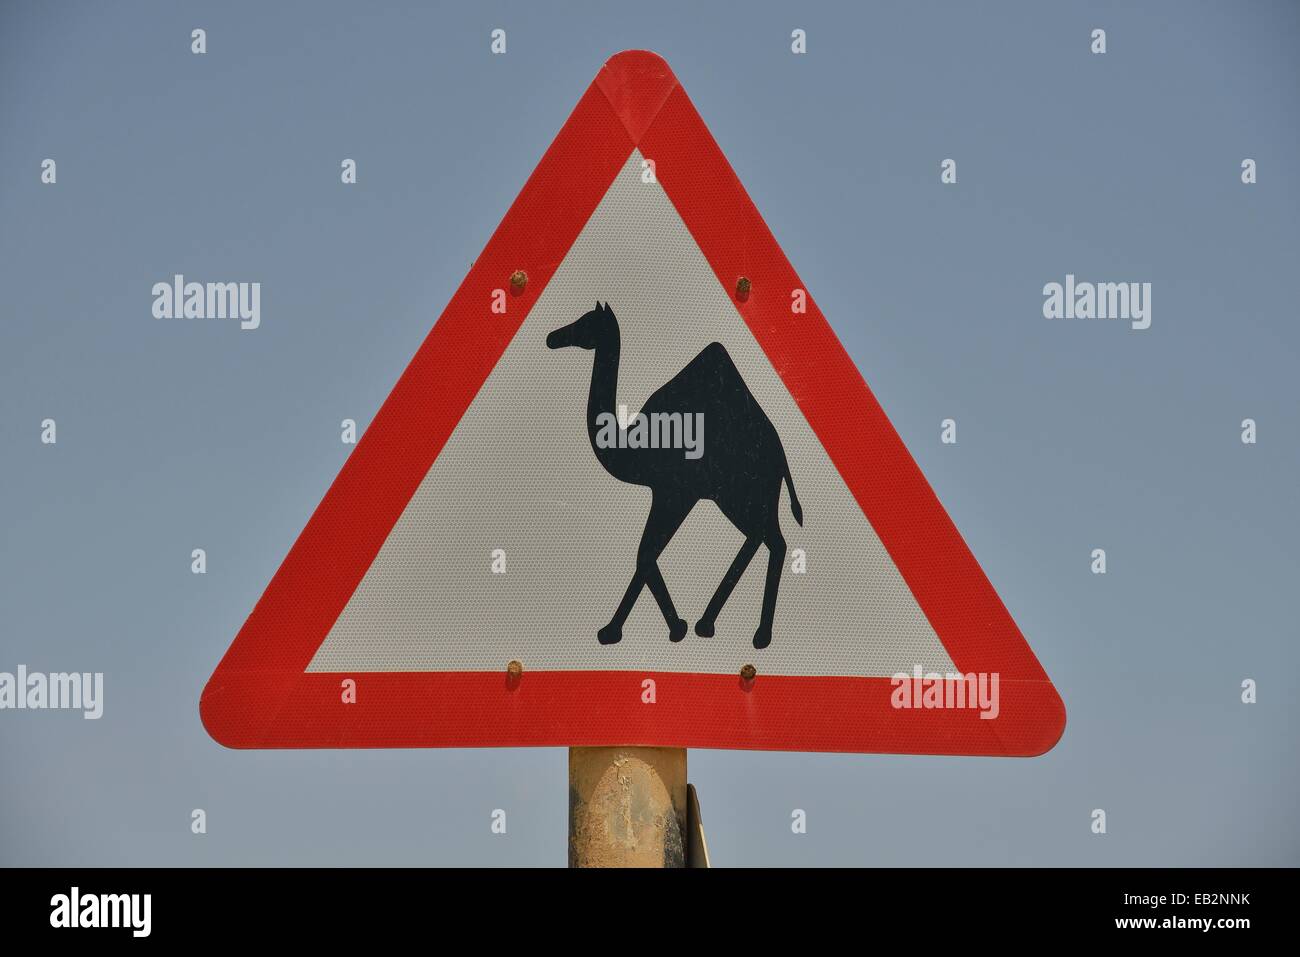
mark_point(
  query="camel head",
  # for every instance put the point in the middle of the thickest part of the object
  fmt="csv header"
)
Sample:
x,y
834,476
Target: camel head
x,y
591,330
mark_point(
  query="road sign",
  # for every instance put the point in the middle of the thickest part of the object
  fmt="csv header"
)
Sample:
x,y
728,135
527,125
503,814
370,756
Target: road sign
x,y
631,490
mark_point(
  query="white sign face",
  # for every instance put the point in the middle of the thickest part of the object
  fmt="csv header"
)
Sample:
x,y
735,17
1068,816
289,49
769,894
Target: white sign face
x,y
520,545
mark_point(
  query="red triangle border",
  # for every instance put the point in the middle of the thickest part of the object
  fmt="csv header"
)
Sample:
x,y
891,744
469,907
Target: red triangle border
x,y
260,695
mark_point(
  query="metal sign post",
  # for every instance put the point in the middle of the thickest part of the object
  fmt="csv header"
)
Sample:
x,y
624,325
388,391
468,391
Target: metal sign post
x,y
628,807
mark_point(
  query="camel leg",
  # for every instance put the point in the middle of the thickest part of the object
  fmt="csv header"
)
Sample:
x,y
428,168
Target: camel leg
x,y
666,516
704,627
775,565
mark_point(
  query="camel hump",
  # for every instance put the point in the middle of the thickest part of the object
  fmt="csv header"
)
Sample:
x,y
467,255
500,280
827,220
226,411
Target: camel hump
x,y
714,364
716,352
700,382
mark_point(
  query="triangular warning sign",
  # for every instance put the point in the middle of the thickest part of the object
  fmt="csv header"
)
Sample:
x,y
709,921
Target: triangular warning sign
x,y
632,491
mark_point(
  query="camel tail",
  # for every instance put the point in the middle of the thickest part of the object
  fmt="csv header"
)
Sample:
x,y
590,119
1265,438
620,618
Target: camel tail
x,y
795,507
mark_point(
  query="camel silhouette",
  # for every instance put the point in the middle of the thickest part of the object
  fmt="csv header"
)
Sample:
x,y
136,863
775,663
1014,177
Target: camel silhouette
x,y
741,469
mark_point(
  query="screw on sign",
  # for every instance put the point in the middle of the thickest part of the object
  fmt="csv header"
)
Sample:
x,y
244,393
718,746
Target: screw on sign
x,y
634,491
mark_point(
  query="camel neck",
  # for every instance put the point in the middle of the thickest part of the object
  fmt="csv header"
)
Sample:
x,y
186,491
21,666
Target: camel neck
x,y
604,383
604,390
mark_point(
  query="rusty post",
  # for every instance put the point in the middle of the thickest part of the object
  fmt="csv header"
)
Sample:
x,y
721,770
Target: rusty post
x,y
627,807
